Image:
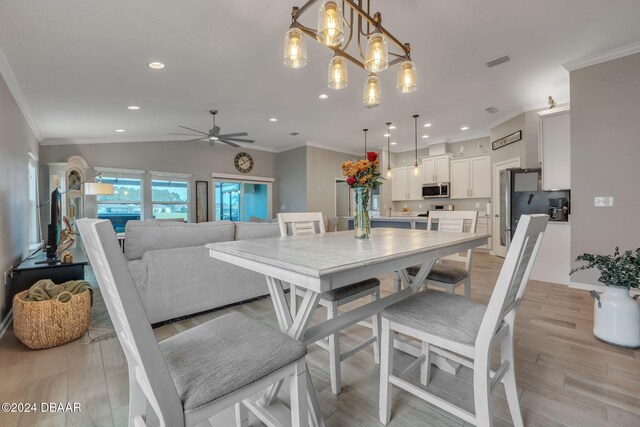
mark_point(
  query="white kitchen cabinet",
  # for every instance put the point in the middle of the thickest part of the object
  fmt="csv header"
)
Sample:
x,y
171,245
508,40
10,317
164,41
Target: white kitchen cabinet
x,y
471,178
405,184
555,149
436,169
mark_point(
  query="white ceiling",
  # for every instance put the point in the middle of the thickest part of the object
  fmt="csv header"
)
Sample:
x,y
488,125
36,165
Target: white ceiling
x,y
80,63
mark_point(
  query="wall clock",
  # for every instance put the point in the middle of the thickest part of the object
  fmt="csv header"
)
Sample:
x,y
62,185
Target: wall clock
x,y
243,162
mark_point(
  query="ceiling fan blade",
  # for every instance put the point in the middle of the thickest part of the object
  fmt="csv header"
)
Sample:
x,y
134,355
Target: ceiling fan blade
x,y
226,141
197,131
228,135
250,141
183,134
197,139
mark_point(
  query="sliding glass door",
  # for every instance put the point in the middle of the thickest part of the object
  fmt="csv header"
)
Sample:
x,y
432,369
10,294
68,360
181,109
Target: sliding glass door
x,y
241,200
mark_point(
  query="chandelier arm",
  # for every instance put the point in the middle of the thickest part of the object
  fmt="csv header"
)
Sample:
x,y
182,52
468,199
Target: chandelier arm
x,y
350,25
303,8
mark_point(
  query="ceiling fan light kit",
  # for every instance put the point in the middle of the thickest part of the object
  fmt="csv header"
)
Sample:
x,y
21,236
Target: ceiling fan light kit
x,y
337,24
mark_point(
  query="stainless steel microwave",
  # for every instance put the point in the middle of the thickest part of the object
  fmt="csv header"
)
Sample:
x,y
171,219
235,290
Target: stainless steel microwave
x,y
435,191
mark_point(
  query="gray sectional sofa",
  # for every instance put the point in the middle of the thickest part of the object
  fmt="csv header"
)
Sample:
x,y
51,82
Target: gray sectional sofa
x,y
174,273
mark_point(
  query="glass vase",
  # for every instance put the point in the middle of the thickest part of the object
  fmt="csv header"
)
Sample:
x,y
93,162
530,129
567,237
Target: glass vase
x,y
361,220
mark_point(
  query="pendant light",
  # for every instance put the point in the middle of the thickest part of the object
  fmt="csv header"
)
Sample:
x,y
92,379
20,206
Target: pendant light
x,y
406,80
365,142
371,96
330,26
377,58
295,49
338,73
388,149
416,167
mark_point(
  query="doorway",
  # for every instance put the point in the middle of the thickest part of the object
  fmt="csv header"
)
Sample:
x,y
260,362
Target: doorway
x,y
238,200
500,240
343,203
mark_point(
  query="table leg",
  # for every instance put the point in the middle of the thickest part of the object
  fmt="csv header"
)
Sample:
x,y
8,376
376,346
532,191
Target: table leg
x,y
296,329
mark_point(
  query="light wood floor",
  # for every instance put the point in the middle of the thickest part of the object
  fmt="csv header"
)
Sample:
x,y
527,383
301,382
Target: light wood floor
x,y
565,376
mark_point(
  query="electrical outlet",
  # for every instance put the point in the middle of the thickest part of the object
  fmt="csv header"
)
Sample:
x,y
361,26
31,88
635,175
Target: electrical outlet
x,y
282,207
477,205
603,201
419,205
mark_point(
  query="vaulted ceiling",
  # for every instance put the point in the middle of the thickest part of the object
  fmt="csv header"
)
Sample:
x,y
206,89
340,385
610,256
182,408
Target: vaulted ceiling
x,y
79,64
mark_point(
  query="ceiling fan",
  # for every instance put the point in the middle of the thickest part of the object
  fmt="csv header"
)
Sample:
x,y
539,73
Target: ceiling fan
x,y
214,134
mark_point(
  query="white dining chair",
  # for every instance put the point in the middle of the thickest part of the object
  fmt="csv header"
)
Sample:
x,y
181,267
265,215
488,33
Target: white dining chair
x,y
301,223
455,270
188,378
434,318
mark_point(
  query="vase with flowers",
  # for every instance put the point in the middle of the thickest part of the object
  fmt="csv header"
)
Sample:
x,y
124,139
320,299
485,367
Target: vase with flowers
x,y
363,176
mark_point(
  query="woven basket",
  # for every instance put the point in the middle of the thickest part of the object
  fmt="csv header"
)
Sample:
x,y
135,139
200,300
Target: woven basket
x,y
46,324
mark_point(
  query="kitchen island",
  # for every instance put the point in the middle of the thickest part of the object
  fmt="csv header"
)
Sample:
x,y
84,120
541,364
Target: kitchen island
x,y
400,221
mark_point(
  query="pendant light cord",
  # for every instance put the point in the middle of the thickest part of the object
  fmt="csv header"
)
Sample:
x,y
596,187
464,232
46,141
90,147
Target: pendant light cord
x,y
365,142
415,119
389,145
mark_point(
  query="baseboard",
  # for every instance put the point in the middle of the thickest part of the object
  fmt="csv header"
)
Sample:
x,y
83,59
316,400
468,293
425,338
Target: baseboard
x,y
586,286
4,325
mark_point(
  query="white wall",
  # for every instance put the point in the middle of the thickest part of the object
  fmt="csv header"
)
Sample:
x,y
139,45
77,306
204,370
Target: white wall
x,y
16,140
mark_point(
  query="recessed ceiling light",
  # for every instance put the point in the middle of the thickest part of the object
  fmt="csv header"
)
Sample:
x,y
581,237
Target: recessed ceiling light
x,y
427,125
425,136
156,65
120,130
392,127
273,119
464,128
393,143
133,107
386,135
323,96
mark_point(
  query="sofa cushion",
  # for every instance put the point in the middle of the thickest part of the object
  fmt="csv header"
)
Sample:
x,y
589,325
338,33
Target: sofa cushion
x,y
225,354
143,236
256,230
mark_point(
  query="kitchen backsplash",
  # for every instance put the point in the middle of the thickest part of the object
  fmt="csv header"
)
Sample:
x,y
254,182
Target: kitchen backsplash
x,y
420,206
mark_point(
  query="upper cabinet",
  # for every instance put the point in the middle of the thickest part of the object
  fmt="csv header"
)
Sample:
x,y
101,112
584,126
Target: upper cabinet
x,y
436,168
471,178
555,149
406,184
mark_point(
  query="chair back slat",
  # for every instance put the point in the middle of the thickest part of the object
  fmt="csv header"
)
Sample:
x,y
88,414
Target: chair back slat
x,y
130,320
513,277
455,221
300,223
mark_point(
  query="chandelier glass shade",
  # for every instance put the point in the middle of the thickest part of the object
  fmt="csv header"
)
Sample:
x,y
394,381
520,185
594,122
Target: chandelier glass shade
x,y
295,49
372,94
356,36
338,73
330,24
377,58
406,80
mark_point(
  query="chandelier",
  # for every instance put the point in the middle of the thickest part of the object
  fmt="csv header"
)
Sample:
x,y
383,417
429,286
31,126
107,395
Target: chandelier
x,y
338,22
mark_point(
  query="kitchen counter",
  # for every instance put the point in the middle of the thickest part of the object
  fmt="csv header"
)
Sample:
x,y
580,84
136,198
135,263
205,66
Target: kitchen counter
x,y
400,221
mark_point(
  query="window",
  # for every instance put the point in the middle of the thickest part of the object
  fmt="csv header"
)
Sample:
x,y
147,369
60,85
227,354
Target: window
x,y
126,201
34,217
239,200
170,196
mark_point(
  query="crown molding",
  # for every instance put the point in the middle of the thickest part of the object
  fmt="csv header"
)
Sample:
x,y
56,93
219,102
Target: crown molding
x,y
83,141
14,88
601,57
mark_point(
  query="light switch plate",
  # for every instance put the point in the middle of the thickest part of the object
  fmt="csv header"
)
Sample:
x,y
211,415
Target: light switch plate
x,y
603,201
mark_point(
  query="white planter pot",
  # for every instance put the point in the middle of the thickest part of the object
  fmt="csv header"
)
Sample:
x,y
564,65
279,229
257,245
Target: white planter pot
x,y
617,318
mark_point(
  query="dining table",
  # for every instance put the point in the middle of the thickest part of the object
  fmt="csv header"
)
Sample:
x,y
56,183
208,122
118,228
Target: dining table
x,y
319,263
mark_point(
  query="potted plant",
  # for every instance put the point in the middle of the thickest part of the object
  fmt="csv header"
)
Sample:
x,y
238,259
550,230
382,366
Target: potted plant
x,y
616,314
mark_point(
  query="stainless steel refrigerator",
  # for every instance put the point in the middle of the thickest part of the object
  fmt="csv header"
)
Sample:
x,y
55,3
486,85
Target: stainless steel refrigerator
x,y
521,194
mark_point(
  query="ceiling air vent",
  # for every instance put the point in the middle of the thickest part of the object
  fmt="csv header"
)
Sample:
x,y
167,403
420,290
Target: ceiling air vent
x,y
294,133
491,110
498,61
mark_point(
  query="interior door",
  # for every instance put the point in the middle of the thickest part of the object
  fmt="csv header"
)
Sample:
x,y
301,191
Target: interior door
x,y
343,204
500,242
